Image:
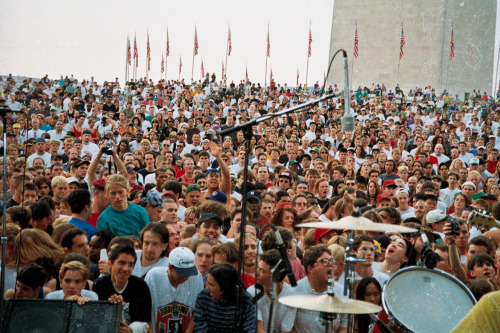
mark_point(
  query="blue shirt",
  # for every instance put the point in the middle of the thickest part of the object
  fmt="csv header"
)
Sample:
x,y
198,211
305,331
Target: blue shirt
x,y
124,222
84,225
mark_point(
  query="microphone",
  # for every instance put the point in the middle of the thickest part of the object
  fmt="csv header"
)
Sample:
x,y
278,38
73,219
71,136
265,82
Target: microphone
x,y
284,257
429,257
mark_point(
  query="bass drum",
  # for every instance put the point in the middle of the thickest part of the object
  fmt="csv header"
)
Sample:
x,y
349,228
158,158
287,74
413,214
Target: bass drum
x,y
418,299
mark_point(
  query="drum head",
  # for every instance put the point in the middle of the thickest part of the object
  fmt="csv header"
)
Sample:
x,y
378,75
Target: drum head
x,y
426,300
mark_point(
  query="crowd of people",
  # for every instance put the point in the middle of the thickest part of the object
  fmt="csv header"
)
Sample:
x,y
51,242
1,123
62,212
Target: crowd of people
x,y
129,193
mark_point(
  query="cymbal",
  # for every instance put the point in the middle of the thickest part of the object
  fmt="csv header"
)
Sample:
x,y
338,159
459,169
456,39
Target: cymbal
x,y
357,223
329,304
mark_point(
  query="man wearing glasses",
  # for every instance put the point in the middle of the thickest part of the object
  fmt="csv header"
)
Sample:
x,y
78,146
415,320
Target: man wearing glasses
x,y
318,264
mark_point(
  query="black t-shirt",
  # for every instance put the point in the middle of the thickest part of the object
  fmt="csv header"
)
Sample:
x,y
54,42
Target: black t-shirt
x,y
136,295
322,203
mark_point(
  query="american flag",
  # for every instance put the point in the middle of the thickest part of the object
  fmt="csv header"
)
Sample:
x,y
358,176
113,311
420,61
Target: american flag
x,y
180,64
168,45
402,43
310,41
149,54
162,63
136,53
271,75
223,70
246,72
268,42
297,77
129,52
229,48
202,70
195,41
356,50
452,45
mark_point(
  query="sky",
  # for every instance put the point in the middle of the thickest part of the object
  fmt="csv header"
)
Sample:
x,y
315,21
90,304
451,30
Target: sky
x,y
88,38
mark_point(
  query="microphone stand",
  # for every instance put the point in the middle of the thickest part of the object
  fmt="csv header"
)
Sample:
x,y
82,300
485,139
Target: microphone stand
x,y
277,274
3,239
248,133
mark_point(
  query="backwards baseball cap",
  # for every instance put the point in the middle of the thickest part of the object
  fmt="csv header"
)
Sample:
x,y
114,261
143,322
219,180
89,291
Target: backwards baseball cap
x,y
435,216
389,182
209,171
382,197
470,184
73,180
193,187
208,217
218,196
182,260
99,184
285,174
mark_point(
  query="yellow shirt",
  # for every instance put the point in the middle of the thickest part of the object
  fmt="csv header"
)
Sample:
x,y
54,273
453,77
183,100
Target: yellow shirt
x,y
483,317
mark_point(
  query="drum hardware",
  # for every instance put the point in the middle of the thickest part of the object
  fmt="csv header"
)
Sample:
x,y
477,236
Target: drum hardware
x,y
430,293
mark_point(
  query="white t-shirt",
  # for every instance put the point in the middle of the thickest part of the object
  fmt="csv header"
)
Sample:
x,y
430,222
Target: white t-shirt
x,y
283,316
59,294
171,306
141,271
46,158
306,320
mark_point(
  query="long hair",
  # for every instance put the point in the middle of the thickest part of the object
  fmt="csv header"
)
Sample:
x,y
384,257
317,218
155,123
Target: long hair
x,y
36,246
227,278
363,321
277,218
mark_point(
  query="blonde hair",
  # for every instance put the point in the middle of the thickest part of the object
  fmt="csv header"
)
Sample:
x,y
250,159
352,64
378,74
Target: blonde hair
x,y
33,244
116,179
337,251
61,220
58,179
74,266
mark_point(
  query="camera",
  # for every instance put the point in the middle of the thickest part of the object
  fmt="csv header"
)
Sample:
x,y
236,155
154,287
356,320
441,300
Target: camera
x,y
108,149
455,226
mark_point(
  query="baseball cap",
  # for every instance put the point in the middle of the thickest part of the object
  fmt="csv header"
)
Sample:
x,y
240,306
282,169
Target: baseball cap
x,y
382,197
193,187
87,132
285,174
218,196
474,160
182,259
209,171
73,180
16,125
402,190
130,168
210,216
292,162
40,140
254,195
436,215
470,184
77,163
318,233
99,184
389,182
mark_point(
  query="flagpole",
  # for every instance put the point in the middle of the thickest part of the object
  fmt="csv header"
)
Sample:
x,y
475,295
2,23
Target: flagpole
x,y
449,60
495,86
126,60
194,53
227,45
308,52
399,61
180,68
166,56
267,55
353,58
147,60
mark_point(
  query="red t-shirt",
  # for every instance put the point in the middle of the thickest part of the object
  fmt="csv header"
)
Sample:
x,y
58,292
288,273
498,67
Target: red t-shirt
x,y
492,166
93,220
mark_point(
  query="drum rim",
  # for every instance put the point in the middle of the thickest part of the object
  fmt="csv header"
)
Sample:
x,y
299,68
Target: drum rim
x,y
392,318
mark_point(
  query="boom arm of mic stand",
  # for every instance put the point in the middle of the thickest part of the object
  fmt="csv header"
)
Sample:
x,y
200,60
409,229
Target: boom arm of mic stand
x,y
245,126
